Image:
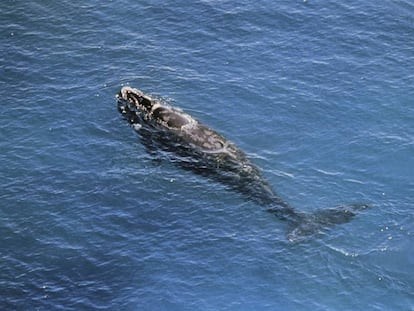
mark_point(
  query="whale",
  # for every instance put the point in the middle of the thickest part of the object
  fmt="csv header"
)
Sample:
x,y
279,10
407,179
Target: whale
x,y
195,146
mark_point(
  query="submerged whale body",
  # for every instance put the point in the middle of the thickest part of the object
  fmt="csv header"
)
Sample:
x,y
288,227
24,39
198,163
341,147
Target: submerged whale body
x,y
204,151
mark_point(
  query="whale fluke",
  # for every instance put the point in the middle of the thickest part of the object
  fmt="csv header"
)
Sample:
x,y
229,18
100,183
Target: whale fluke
x,y
303,225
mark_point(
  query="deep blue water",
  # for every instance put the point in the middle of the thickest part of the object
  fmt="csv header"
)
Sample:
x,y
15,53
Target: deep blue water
x,y
318,93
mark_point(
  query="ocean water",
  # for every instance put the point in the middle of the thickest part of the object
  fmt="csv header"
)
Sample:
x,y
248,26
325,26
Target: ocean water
x,y
318,93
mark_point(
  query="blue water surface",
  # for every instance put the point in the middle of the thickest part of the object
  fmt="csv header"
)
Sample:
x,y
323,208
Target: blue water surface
x,y
318,93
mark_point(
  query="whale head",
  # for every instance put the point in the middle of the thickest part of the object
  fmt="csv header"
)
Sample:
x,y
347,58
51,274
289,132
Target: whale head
x,y
139,108
136,99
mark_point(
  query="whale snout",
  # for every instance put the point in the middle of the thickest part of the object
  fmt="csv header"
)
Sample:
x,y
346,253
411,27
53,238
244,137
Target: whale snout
x,y
135,97
126,93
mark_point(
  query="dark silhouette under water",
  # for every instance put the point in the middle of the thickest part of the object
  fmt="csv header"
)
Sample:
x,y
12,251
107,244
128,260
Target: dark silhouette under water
x,y
206,152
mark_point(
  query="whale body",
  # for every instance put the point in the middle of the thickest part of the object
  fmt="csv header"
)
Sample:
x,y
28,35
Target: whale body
x,y
204,151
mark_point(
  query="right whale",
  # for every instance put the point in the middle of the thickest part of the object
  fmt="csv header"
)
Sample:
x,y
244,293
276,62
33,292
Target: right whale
x,y
204,151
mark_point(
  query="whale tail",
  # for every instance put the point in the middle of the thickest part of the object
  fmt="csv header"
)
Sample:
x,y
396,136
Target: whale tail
x,y
303,225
